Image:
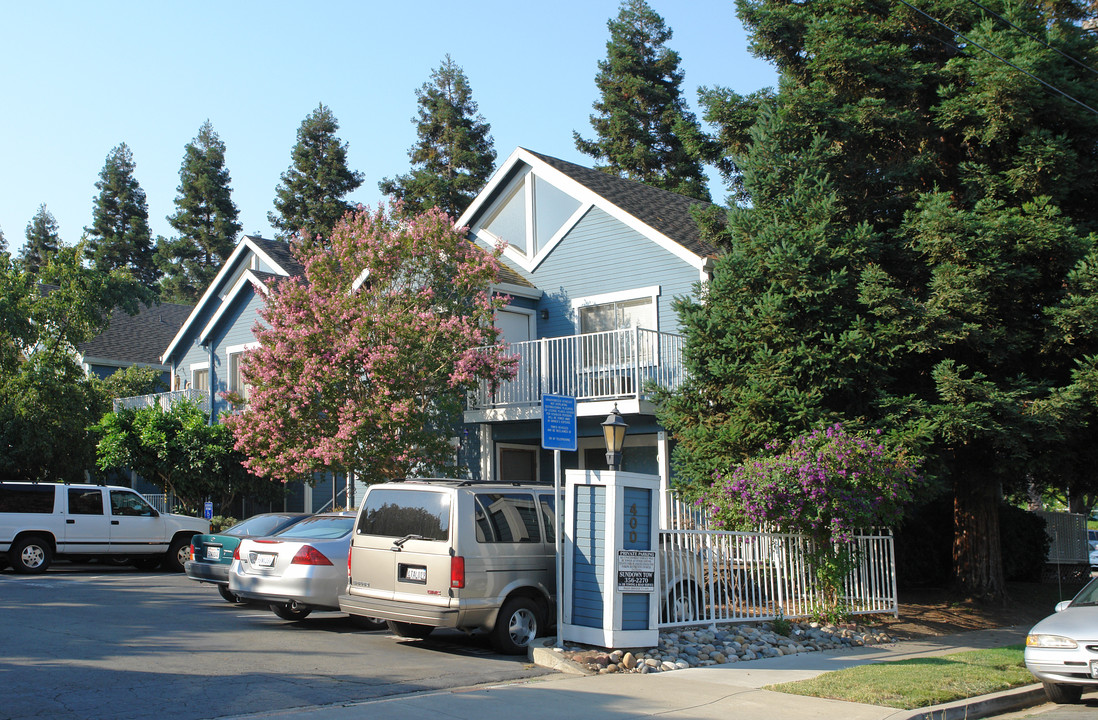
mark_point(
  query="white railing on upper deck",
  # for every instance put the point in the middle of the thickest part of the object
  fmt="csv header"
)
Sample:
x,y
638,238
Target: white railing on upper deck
x,y
164,400
594,366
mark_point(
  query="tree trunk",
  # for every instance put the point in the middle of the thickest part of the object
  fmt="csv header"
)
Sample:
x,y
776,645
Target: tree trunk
x,y
977,553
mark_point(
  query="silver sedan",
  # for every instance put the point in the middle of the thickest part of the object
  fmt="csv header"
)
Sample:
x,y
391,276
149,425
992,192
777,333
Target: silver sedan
x,y
298,570
1062,650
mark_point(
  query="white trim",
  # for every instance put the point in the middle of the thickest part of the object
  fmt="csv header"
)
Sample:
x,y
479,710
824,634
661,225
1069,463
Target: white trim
x,y
360,281
531,318
533,448
243,347
247,280
652,291
513,290
245,243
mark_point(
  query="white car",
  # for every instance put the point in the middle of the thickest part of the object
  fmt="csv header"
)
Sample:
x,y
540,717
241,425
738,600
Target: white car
x,y
299,569
1062,650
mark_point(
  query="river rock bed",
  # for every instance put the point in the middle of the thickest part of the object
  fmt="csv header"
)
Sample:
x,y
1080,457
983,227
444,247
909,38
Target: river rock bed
x,y
687,647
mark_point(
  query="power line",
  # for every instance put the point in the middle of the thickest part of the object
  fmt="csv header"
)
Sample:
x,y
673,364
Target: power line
x,y
1033,37
1000,58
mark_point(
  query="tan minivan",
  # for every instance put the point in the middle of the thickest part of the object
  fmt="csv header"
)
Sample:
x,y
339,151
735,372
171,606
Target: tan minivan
x,y
455,554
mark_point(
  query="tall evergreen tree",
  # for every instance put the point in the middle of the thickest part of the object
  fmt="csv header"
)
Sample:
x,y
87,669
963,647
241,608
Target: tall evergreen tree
x,y
205,218
43,240
310,197
119,236
454,156
644,130
971,330
3,242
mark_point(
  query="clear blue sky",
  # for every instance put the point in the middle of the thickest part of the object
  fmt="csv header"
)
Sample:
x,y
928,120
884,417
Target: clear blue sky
x,y
79,77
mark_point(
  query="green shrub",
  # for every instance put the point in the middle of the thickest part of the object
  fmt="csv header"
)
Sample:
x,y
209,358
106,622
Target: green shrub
x,y
220,522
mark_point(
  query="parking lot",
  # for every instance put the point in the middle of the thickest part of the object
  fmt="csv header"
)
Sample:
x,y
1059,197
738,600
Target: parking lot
x,y
94,641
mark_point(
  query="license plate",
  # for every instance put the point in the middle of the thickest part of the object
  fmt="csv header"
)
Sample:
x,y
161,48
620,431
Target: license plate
x,y
1094,668
213,553
264,561
416,574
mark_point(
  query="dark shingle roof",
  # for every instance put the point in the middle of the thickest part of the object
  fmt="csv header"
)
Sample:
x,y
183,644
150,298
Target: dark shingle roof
x,y
280,253
140,338
663,211
508,274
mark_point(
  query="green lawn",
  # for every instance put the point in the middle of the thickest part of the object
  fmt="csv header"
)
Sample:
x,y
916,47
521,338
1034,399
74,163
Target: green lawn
x,y
916,683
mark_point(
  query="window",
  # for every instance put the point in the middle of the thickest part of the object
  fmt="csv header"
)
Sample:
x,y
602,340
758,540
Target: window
x,y
85,502
200,379
397,513
128,503
618,316
237,386
518,463
506,518
26,498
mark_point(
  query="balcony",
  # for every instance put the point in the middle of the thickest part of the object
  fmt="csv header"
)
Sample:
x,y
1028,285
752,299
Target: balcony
x,y
165,400
594,368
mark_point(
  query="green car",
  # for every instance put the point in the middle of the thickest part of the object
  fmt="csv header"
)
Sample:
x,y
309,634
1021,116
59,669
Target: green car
x,y
211,555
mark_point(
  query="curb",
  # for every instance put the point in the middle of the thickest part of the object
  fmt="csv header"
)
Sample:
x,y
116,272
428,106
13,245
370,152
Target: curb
x,y
548,657
978,707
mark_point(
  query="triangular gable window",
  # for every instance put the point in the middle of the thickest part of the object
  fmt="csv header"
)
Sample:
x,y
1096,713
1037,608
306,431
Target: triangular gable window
x,y
509,222
531,214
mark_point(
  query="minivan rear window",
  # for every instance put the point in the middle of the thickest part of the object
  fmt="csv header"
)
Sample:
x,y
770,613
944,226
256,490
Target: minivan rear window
x,y
26,498
393,512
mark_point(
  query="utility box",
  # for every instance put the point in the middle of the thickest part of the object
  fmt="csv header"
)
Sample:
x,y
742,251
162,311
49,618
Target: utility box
x,y
611,563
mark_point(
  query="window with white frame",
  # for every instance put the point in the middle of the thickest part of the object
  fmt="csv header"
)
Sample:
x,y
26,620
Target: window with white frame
x,y
200,377
235,377
611,312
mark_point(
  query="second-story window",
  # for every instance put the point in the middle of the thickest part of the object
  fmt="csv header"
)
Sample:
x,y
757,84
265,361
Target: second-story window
x,y
618,315
237,386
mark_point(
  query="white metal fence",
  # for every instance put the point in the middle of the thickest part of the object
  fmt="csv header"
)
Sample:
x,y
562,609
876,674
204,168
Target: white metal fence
x,y
715,576
163,502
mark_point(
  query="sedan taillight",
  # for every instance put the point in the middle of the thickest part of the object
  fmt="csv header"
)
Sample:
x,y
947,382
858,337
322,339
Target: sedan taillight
x,y
309,555
192,552
236,552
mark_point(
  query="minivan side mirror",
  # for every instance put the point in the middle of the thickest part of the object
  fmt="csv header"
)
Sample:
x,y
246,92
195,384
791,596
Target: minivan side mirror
x,y
1062,605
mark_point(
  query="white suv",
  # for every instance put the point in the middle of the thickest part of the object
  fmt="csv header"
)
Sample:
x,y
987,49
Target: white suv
x,y
41,521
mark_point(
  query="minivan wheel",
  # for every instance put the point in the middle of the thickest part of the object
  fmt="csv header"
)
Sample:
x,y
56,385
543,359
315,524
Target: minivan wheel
x,y
289,613
1063,694
409,630
30,555
516,626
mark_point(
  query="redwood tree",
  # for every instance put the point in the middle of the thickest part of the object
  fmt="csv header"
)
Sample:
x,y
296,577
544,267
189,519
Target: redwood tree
x,y
364,361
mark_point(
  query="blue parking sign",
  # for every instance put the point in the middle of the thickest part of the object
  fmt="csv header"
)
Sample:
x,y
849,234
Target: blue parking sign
x,y
208,510
558,422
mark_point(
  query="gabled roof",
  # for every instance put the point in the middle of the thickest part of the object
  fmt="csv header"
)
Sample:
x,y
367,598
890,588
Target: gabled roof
x,y
136,339
665,217
665,211
273,252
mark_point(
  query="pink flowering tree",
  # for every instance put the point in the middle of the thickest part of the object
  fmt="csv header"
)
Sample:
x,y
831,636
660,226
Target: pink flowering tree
x,y
826,485
364,361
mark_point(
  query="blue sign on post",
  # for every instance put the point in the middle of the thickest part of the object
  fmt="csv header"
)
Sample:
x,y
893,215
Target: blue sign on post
x,y
208,510
558,422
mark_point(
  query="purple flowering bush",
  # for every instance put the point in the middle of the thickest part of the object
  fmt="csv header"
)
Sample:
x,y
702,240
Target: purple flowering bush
x,y
826,484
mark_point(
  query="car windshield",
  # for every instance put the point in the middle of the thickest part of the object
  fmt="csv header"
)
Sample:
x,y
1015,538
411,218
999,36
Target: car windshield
x,y
1087,596
324,527
259,525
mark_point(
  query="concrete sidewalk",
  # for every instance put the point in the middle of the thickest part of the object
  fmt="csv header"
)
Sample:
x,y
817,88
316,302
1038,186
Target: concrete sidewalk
x,y
725,692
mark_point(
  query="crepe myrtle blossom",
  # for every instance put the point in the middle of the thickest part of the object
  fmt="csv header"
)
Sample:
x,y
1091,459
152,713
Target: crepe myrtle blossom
x,y
363,361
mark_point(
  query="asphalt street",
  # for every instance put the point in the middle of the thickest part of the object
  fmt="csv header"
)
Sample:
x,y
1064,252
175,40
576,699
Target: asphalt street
x,y
89,641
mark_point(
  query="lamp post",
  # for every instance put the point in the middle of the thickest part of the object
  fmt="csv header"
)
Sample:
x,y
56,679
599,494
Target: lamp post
x,y
613,431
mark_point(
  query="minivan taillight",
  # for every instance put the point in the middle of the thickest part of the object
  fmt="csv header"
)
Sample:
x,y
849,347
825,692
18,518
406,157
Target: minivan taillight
x,y
457,571
309,555
350,551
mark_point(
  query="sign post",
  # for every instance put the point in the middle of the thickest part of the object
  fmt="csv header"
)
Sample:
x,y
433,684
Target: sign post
x,y
558,432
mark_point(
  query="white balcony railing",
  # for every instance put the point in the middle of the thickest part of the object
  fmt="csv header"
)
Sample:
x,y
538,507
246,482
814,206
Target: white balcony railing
x,y
164,400
595,366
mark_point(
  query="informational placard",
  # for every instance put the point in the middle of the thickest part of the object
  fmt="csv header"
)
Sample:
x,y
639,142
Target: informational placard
x,y
558,422
636,571
208,511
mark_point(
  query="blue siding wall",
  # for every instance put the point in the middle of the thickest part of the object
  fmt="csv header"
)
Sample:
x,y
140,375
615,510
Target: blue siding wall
x,y
602,255
636,536
634,611
588,593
